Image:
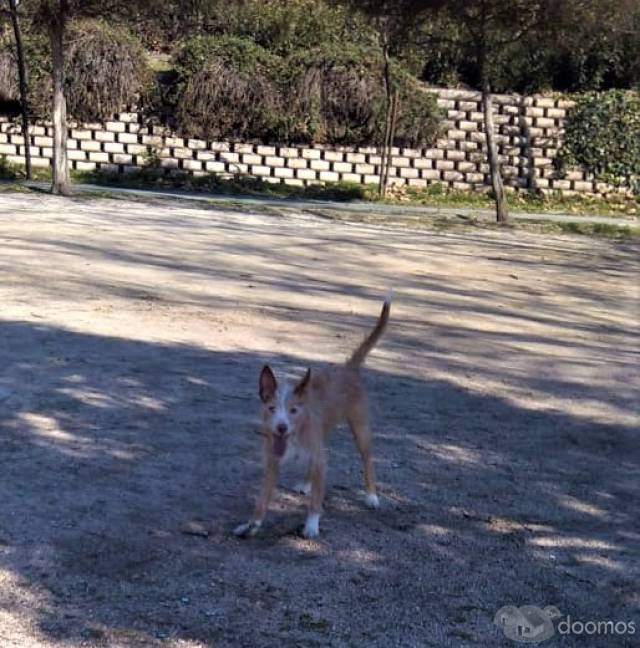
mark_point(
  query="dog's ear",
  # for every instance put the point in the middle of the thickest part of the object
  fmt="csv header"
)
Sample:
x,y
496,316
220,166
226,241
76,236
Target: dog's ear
x,y
268,384
303,384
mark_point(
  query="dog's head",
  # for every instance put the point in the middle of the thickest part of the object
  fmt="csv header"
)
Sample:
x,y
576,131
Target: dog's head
x,y
283,408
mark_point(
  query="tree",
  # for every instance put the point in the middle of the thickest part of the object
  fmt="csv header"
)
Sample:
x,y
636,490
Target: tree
x,y
54,16
593,44
396,23
492,26
531,46
12,12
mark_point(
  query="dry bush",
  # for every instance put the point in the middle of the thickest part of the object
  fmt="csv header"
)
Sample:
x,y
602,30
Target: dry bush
x,y
232,88
345,104
228,87
8,85
222,102
36,54
419,117
8,66
105,70
340,105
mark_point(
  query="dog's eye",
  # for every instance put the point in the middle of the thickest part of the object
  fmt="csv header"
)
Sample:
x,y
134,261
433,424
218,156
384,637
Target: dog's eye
x,y
272,409
293,410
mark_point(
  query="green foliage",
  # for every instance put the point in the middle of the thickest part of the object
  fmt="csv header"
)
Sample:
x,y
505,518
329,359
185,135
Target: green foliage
x,y
105,70
36,48
603,135
575,47
284,27
239,52
230,87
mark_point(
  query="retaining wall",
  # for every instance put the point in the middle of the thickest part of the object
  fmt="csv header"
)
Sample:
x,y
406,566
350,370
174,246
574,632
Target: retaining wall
x,y
529,135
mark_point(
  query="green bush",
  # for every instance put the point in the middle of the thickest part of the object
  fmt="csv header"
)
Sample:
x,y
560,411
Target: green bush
x,y
36,48
227,88
287,26
105,70
603,135
230,87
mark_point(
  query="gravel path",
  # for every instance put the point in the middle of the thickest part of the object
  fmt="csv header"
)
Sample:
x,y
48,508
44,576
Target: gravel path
x,y
505,400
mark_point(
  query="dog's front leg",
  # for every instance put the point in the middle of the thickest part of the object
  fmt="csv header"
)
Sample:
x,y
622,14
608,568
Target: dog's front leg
x,y
269,482
316,474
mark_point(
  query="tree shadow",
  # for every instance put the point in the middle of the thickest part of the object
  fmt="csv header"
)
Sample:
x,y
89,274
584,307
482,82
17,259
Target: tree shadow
x,y
109,446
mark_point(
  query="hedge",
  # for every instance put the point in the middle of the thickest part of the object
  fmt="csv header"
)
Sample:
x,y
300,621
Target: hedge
x,y
230,87
603,135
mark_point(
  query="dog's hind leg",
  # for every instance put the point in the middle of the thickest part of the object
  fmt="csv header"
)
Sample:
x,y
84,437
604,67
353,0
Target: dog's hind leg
x,y
361,430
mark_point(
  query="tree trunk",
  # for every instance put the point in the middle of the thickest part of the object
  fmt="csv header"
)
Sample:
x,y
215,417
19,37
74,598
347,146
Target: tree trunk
x,y
502,208
24,94
60,184
393,120
386,145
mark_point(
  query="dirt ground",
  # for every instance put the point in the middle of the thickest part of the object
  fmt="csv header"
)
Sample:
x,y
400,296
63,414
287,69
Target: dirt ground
x,y
505,398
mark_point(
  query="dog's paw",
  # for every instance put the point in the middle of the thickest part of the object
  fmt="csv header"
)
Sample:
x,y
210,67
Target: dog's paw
x,y
248,529
312,526
372,501
302,487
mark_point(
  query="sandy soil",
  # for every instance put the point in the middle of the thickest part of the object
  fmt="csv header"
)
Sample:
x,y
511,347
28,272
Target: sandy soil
x,y
506,429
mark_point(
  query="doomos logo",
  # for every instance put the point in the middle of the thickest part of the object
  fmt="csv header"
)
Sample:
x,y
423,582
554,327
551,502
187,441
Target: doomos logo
x,y
527,624
531,624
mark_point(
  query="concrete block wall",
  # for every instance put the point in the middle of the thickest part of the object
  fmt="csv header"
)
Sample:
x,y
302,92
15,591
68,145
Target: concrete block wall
x,y
529,136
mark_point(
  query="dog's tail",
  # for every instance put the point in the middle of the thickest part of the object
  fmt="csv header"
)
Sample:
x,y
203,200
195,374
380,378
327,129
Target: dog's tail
x,y
358,356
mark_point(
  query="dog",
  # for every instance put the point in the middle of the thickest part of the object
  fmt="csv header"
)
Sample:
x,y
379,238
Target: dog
x,y
297,419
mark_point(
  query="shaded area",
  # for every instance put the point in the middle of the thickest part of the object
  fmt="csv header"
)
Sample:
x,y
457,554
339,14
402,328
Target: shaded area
x,y
109,446
505,399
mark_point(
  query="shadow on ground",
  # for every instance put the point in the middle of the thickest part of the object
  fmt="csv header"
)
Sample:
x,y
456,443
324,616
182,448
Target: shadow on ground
x,y
109,447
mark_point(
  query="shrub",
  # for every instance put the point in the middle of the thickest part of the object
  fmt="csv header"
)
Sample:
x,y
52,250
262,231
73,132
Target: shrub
x,y
288,26
343,94
8,90
603,135
419,117
105,70
336,95
227,89
36,50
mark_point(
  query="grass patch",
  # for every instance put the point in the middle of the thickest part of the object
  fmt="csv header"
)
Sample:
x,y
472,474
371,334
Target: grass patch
x,y
436,195
16,172
155,179
238,186
603,230
433,196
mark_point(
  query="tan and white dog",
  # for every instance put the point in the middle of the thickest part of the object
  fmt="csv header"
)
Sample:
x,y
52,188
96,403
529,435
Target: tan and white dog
x,y
297,420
